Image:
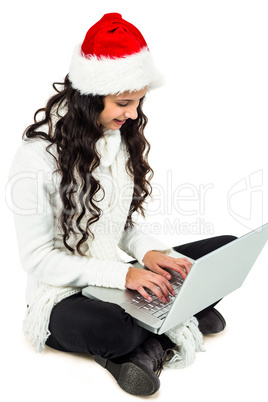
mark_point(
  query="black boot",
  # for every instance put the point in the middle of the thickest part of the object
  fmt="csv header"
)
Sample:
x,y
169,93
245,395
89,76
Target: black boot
x,y
138,373
212,323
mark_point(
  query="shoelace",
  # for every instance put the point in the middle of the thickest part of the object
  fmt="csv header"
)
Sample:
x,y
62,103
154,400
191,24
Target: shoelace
x,y
160,361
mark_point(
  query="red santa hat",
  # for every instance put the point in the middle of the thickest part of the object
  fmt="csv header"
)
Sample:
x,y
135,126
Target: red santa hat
x,y
113,58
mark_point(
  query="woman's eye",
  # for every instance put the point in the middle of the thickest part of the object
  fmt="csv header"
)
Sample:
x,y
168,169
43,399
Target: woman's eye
x,y
122,104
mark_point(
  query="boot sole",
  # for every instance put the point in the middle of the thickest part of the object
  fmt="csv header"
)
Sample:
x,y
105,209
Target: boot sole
x,y
130,377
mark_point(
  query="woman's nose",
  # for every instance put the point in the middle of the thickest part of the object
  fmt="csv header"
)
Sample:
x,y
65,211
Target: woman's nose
x,y
132,112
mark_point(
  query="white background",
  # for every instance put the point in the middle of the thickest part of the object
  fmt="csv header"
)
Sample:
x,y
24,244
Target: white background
x,y
207,128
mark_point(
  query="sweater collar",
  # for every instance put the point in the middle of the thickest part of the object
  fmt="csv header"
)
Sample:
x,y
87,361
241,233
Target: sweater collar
x,y
108,146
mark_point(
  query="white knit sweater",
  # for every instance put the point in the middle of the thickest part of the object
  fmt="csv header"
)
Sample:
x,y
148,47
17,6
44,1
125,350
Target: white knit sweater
x,y
51,269
34,190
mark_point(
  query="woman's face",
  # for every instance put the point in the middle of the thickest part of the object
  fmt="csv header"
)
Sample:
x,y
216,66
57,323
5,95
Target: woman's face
x,y
119,108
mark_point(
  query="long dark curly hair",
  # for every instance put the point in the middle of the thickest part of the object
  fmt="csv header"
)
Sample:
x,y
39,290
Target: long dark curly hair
x,y
75,135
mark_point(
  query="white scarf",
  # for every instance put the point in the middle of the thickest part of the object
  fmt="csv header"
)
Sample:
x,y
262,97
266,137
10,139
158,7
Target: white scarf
x,y
113,154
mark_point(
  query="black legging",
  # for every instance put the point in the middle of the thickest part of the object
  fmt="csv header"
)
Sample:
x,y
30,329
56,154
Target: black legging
x,y
79,324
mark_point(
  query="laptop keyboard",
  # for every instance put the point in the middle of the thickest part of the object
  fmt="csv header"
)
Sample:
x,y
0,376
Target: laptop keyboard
x,y
155,307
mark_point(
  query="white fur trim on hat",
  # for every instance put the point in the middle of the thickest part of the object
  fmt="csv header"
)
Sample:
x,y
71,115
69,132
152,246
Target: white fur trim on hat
x,y
108,76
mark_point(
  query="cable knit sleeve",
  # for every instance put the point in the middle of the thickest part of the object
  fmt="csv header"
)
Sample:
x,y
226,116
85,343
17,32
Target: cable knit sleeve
x,y
30,200
135,243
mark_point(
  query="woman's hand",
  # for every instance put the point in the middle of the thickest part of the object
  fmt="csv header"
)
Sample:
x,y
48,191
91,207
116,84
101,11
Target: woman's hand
x,y
139,279
156,261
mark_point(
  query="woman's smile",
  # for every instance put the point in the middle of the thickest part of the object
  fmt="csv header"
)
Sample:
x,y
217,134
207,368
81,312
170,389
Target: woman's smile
x,y
120,122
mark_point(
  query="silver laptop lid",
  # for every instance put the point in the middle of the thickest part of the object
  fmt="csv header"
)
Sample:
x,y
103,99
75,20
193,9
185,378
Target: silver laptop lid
x,y
215,275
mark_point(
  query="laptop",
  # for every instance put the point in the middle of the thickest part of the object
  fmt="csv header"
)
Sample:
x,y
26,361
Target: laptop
x,y
211,277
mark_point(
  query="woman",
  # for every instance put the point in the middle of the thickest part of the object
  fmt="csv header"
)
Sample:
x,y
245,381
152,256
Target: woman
x,y
79,177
